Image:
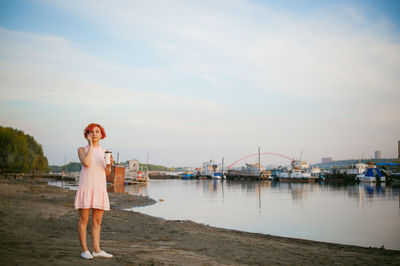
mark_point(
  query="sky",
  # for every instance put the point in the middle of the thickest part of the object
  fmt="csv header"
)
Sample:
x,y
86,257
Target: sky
x,y
186,82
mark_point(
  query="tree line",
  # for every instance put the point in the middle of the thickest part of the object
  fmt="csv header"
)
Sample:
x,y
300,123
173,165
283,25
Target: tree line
x,y
76,167
70,167
19,151
154,167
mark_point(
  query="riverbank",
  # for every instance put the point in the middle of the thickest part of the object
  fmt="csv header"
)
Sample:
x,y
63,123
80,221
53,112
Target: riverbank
x,y
38,227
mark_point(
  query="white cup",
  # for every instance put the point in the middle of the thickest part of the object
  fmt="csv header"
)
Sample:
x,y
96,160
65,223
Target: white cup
x,y
107,157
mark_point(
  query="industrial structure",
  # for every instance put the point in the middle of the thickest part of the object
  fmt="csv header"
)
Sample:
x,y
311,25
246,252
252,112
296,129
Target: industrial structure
x,y
326,160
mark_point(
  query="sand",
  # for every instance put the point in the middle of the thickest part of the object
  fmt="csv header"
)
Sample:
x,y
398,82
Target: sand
x,y
38,227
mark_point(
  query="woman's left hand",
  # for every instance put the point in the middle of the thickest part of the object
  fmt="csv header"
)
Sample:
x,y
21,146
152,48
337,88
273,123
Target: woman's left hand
x,y
111,162
108,166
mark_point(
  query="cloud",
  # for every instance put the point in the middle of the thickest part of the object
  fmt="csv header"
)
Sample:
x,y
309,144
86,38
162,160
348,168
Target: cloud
x,y
347,56
34,65
257,45
220,70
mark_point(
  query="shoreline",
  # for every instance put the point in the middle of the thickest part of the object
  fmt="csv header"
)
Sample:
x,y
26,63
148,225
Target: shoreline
x,y
38,226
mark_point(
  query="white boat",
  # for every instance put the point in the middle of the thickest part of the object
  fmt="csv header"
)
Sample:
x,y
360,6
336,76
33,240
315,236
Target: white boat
x,y
294,173
364,178
297,170
315,172
354,169
212,169
372,174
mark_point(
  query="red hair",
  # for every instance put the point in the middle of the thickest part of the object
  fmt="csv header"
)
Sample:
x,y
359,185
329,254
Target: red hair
x,y
90,128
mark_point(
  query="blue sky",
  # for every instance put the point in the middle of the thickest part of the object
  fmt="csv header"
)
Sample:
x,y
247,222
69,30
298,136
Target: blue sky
x,y
189,81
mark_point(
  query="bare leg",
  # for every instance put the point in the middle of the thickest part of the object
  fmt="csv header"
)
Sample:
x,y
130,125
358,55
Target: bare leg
x,y
82,225
97,216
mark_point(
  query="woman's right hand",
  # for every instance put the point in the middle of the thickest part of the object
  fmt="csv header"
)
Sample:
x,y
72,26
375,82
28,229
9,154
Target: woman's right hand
x,y
89,139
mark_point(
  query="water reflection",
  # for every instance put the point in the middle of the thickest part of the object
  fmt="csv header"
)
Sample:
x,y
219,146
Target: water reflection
x,y
373,189
298,191
364,214
116,188
138,189
72,185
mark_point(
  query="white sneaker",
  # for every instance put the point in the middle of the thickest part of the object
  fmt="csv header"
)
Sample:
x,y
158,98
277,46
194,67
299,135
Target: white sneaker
x,y
102,254
86,255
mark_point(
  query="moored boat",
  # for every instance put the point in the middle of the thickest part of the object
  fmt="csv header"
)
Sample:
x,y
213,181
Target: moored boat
x,y
187,175
372,174
212,170
354,169
216,175
298,171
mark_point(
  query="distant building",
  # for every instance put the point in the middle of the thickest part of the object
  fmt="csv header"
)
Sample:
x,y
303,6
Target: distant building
x,y
377,154
133,165
326,160
132,169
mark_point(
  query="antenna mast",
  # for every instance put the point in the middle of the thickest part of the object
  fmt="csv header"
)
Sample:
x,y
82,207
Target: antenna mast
x,y
301,153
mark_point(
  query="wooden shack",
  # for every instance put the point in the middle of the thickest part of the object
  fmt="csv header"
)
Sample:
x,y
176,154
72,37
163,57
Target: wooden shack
x,y
117,175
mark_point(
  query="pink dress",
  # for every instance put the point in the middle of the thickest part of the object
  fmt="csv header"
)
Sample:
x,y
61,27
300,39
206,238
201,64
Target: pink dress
x,y
92,191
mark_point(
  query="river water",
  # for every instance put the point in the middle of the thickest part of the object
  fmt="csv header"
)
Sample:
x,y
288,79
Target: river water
x,y
364,214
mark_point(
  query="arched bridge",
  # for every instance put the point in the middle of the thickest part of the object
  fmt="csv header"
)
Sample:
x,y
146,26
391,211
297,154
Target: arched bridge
x,y
256,154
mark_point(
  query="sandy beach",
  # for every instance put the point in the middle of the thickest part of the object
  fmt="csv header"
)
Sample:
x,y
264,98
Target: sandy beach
x,y
38,227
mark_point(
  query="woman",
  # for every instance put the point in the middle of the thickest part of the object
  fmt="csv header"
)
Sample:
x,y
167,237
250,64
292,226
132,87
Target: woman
x,y
92,191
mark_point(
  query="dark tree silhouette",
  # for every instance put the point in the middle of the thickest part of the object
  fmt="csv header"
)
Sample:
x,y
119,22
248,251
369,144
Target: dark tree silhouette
x,y
19,151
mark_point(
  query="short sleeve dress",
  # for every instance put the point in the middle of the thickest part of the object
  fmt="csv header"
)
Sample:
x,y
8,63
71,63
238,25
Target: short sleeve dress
x,y
92,191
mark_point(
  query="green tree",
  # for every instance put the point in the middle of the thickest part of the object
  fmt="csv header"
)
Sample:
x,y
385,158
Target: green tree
x,y
19,151
72,167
